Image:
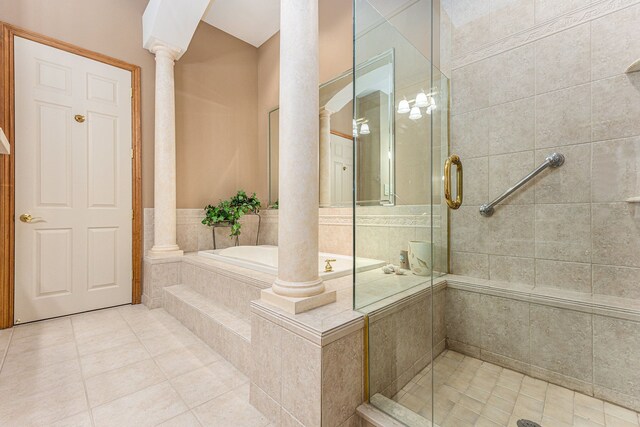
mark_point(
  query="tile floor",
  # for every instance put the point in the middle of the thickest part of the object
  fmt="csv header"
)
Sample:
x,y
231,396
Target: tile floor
x,y
125,366
470,392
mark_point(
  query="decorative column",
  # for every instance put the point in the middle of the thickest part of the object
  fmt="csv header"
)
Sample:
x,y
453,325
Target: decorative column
x,y
325,157
164,221
298,286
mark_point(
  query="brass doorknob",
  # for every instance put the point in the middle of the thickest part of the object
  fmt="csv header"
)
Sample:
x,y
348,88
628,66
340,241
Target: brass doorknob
x,y
29,219
79,118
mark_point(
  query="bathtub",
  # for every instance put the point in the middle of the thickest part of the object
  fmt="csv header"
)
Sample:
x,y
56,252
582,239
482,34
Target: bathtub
x,y
264,258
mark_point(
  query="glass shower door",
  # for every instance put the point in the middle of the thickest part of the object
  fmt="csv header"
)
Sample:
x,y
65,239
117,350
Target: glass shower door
x,y
401,140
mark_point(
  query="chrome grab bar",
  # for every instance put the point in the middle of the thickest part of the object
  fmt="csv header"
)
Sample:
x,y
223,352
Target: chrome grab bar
x,y
554,160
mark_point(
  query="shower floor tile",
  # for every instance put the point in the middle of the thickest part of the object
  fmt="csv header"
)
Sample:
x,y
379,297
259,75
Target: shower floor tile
x,y
470,392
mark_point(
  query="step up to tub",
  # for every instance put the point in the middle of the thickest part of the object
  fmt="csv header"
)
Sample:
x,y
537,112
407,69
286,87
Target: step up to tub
x,y
223,330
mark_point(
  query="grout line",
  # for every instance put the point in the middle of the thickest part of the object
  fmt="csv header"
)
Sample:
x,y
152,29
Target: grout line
x,y
6,350
84,384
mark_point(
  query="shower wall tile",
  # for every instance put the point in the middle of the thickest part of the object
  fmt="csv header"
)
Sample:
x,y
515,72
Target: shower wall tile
x,y
616,234
563,59
469,230
567,276
471,86
512,74
512,126
615,42
510,16
471,27
563,117
470,264
507,169
616,343
616,170
616,281
561,339
512,269
476,180
511,230
563,232
616,107
463,310
470,134
505,327
548,9
568,183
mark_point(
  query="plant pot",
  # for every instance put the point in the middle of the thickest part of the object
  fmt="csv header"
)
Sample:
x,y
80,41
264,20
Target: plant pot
x,y
420,257
222,225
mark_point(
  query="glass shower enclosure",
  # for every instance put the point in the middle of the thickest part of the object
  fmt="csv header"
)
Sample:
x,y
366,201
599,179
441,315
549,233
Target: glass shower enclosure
x,y
400,126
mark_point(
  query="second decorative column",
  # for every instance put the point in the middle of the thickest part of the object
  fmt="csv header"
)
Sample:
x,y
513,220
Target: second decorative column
x,y
298,192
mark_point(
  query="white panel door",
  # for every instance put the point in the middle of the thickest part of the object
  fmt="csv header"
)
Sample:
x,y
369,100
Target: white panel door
x,y
73,176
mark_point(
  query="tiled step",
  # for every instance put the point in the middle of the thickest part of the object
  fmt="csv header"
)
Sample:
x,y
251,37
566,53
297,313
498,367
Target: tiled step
x,y
223,330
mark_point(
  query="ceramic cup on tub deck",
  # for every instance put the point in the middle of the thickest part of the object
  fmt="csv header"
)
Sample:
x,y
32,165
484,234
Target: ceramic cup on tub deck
x,y
420,257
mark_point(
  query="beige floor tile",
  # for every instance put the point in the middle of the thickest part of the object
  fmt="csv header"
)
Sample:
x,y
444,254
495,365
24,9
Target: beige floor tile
x,y
39,358
163,343
534,388
485,422
231,409
621,413
111,385
97,323
182,360
94,343
113,358
186,419
41,379
83,419
611,421
495,414
42,340
43,327
201,385
148,407
578,421
44,406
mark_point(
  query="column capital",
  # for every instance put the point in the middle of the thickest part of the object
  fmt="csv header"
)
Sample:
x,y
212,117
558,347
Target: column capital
x,y
325,112
164,50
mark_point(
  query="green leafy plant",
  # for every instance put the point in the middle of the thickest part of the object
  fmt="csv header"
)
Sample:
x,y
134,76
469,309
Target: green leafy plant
x,y
229,212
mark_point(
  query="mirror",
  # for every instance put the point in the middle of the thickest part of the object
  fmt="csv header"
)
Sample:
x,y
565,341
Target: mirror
x,y
373,127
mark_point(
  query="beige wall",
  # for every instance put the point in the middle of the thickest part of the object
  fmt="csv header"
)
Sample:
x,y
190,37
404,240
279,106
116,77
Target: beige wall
x,y
336,57
110,27
216,126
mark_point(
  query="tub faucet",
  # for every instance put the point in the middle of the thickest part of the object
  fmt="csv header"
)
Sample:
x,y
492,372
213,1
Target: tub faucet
x,y
328,268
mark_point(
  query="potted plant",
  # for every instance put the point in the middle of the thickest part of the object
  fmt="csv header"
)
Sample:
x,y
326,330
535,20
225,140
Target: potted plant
x,y
227,213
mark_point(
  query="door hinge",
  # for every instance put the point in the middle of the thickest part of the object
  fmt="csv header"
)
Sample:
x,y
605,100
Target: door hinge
x,y
131,92
132,153
133,214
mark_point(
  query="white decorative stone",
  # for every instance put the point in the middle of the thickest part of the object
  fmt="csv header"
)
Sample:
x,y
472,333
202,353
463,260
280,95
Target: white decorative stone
x,y
325,157
164,229
299,134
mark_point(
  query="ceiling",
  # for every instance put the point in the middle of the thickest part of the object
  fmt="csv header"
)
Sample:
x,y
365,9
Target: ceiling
x,y
249,20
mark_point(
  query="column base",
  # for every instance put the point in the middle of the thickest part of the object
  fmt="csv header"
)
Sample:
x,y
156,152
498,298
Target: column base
x,y
299,305
167,251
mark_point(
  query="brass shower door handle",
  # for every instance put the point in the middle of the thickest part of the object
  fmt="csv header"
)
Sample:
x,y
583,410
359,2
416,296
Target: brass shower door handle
x,y
453,160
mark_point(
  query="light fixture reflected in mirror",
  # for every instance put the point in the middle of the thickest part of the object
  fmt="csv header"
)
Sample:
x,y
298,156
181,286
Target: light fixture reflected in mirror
x,y
403,107
421,100
364,129
415,113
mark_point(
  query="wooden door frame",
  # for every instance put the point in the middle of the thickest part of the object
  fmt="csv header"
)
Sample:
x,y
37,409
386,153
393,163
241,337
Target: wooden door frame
x,y
7,162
